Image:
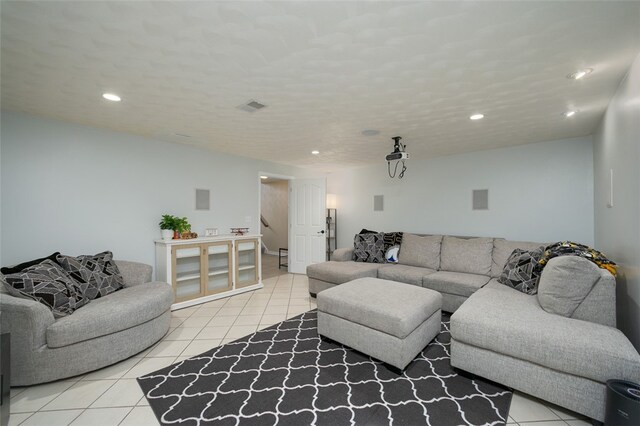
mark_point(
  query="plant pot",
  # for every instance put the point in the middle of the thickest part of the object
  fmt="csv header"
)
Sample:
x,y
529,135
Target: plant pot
x,y
176,235
167,234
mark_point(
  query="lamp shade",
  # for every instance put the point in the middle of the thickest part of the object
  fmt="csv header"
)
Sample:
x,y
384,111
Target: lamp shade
x,y
331,201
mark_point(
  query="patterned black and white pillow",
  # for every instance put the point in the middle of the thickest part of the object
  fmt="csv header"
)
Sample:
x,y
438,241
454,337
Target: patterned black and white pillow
x,y
392,239
48,284
369,248
99,272
522,270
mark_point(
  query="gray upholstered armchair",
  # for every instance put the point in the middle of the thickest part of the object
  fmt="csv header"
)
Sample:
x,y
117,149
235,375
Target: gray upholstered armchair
x,y
105,331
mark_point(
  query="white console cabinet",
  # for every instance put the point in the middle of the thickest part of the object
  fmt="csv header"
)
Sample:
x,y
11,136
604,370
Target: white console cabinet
x,y
209,268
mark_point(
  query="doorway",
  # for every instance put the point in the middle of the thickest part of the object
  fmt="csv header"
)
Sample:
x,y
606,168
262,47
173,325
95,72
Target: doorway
x,y
274,224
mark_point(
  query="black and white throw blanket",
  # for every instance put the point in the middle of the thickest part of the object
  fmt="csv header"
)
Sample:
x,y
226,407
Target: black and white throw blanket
x,y
287,375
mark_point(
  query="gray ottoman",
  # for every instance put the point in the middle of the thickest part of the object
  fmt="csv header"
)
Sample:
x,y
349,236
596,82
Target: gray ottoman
x,y
387,320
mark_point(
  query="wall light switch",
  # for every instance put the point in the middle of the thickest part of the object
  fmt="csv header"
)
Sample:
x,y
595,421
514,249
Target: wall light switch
x,y
610,201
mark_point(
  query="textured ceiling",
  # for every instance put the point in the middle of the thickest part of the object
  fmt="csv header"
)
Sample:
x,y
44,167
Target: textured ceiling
x,y
326,70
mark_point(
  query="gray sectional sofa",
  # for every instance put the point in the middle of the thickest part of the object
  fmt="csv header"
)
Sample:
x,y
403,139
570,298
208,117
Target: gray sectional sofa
x,y
560,345
456,267
105,331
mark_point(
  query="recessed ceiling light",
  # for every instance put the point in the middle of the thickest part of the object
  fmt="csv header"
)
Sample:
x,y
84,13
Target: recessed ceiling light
x,y
111,97
314,152
370,132
570,113
580,73
264,177
477,117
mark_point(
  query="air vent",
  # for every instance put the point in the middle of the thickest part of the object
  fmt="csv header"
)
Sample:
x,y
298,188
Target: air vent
x,y
251,106
480,199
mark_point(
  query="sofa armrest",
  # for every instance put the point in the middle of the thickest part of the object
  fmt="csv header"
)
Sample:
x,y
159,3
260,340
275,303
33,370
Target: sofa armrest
x,y
27,320
134,273
342,254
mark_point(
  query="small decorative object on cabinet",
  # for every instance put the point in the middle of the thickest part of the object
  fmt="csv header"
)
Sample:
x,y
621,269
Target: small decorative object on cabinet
x,y
181,226
332,242
239,231
209,268
211,232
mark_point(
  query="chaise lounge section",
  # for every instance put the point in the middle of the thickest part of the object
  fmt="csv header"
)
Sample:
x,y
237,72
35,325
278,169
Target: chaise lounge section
x,y
560,345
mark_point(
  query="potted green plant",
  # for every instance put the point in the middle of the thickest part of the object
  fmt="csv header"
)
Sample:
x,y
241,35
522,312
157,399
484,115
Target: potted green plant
x,y
181,225
167,226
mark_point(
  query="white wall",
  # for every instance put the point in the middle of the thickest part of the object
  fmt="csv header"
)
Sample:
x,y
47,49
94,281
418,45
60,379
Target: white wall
x,y
79,189
275,209
617,229
539,192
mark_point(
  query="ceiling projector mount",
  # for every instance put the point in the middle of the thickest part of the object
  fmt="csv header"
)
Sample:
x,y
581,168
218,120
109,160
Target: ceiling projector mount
x,y
399,156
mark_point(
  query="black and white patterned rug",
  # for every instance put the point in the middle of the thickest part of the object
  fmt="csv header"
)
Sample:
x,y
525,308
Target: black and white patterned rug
x,y
287,375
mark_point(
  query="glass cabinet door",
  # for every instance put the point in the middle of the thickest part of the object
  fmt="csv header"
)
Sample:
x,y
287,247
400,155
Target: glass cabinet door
x,y
218,267
187,272
246,262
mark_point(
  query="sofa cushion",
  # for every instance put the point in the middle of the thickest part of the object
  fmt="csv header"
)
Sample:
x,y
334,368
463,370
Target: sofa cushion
x,y
522,270
99,272
118,311
457,283
565,282
341,272
508,322
469,255
502,249
387,306
420,251
48,284
404,273
368,248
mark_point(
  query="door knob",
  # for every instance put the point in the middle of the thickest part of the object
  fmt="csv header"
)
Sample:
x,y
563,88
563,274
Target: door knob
x,y
321,232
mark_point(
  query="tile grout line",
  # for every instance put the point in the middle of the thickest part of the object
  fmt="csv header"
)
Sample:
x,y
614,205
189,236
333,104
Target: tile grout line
x,y
127,415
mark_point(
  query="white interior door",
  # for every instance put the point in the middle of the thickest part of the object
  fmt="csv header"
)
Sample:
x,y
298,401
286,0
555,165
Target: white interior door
x,y
307,223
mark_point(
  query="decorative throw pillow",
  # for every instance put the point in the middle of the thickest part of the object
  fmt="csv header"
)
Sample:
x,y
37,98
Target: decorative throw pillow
x,y
522,270
369,248
391,255
392,239
21,267
99,272
48,284
367,231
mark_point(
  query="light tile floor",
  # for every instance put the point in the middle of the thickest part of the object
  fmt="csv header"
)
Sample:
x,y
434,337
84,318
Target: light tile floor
x,y
111,396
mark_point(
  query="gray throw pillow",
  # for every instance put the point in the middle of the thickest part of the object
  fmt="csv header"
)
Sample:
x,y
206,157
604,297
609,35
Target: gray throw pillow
x,y
522,270
99,273
565,282
48,284
369,248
